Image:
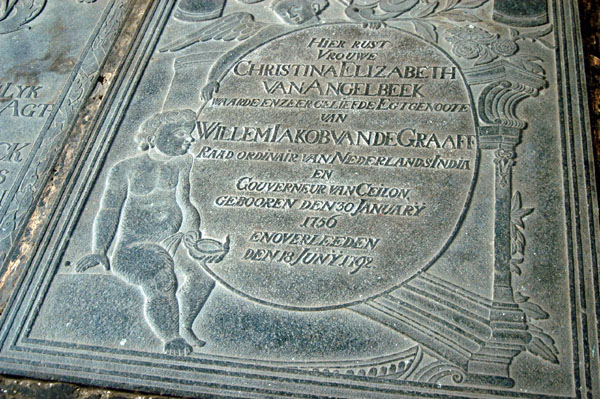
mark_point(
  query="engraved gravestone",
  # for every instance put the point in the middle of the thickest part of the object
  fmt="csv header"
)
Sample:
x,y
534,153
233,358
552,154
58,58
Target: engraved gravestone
x,y
52,53
313,198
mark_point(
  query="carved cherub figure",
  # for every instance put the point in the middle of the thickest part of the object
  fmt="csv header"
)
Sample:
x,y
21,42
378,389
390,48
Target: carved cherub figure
x,y
242,27
144,213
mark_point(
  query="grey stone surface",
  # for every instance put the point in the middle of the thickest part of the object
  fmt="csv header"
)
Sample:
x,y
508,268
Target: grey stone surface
x,y
304,198
52,54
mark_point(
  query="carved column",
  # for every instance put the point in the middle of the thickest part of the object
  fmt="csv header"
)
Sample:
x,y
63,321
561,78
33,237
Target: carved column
x,y
506,86
504,161
507,321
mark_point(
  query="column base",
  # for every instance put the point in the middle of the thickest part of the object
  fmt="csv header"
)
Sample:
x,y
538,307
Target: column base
x,y
508,339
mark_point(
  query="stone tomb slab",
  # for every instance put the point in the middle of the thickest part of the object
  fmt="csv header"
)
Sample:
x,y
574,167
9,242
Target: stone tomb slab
x,y
312,198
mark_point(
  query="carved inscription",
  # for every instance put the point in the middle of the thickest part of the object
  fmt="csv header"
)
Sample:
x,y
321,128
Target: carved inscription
x,y
22,101
18,101
352,149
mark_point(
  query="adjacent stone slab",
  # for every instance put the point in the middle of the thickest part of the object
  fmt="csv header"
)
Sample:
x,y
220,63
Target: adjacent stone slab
x,y
305,198
52,53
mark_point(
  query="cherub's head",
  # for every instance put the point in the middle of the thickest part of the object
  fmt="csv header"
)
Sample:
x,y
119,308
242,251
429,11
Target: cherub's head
x,y
298,12
169,132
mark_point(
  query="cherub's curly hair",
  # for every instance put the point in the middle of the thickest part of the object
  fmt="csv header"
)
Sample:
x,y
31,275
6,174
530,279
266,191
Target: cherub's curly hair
x,y
323,4
156,122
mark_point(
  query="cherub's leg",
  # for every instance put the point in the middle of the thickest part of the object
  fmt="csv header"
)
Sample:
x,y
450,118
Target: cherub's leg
x,y
160,305
151,268
161,310
195,288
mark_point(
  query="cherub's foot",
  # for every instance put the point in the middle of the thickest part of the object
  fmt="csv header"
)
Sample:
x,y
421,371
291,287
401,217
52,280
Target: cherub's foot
x,y
177,347
191,338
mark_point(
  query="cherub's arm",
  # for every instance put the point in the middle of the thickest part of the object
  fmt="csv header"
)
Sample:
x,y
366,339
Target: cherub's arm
x,y
107,220
228,60
191,216
238,26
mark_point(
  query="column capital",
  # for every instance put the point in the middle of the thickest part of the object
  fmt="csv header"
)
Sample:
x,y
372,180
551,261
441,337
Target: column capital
x,y
499,137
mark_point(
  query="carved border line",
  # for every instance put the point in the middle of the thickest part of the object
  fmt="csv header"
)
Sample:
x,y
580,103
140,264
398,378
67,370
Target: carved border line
x,y
581,206
35,171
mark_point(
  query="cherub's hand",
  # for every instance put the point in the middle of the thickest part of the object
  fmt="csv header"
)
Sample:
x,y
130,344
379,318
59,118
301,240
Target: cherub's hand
x,y
92,260
207,249
191,238
211,88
